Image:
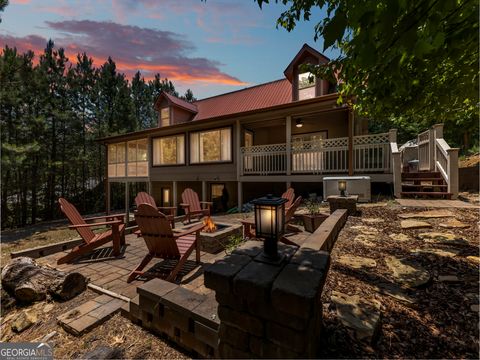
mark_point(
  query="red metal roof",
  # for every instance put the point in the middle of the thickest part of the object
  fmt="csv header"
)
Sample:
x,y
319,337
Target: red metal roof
x,y
181,103
253,98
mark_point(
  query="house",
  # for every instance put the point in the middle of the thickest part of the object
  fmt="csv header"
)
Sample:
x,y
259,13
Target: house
x,y
258,140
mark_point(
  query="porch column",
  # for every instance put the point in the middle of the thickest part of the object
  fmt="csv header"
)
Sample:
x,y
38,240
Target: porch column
x,y
149,187
239,196
174,195
127,195
288,127
237,148
204,191
350,141
107,196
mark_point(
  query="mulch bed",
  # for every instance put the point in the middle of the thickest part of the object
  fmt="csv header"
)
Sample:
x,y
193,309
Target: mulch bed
x,y
440,324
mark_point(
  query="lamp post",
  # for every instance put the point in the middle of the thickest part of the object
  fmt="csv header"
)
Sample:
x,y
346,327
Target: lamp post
x,y
342,186
270,225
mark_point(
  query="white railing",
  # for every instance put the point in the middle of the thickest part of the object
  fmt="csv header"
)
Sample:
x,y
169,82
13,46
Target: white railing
x,y
264,159
371,153
441,157
423,142
320,156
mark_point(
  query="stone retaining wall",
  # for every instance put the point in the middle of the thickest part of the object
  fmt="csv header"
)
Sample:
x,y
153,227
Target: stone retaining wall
x,y
269,310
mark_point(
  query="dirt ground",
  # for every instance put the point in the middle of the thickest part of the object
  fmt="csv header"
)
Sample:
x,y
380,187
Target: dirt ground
x,y
440,324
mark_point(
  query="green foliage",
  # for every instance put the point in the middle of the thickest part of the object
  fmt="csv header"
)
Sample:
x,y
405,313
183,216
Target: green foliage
x,y
234,241
313,207
51,114
3,5
409,63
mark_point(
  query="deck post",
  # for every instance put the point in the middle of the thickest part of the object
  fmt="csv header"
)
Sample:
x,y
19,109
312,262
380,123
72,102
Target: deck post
x,y
350,141
452,171
204,191
437,134
431,148
288,127
238,143
127,195
239,196
107,196
174,195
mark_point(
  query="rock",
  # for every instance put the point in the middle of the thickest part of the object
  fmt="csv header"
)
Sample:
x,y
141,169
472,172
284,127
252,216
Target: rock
x,y
28,281
399,237
475,308
454,224
407,274
361,315
414,224
104,352
395,292
366,230
357,262
474,259
365,239
446,252
442,238
430,214
48,307
24,320
448,278
372,220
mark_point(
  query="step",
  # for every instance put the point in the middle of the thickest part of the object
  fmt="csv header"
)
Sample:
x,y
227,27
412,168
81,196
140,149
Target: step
x,y
443,186
427,194
421,179
89,315
418,175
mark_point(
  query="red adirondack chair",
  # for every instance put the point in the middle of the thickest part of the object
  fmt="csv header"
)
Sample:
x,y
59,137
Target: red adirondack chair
x,y
193,206
145,198
92,240
249,225
162,242
290,196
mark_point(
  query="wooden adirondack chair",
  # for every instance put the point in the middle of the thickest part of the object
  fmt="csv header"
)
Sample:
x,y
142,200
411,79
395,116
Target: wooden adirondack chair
x,y
162,242
249,225
169,211
92,240
290,196
193,206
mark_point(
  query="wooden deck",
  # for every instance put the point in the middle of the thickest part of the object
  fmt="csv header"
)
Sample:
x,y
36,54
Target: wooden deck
x,y
425,203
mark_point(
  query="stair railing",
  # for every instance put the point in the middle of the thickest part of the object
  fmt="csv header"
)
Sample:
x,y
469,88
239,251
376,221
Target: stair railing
x,y
396,162
445,160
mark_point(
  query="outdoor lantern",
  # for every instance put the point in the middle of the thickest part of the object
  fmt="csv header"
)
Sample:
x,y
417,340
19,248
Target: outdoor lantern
x,y
342,186
270,224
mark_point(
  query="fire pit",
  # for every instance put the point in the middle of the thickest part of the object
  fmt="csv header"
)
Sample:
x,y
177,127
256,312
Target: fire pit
x,y
215,235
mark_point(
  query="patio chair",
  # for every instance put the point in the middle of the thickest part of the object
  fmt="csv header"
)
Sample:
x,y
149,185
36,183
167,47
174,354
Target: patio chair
x,y
193,206
290,196
249,225
169,211
162,242
92,240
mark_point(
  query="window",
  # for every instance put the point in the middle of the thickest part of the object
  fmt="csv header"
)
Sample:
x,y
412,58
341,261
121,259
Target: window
x,y
128,159
211,146
116,160
169,150
165,116
306,86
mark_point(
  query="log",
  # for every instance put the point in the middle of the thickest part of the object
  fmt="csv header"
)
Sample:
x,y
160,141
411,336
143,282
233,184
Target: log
x,y
28,281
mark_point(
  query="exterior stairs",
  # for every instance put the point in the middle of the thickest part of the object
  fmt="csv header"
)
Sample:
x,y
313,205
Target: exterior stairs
x,y
430,185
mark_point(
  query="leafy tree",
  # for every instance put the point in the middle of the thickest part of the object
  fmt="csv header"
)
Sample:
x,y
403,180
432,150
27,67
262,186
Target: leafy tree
x,y
407,63
3,5
189,96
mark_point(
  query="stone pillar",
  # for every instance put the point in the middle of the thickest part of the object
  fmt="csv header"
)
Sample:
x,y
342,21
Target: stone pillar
x,y
269,310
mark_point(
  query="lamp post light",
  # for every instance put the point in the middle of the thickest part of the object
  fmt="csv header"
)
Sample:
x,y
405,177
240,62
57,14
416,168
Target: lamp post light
x,y
270,225
342,186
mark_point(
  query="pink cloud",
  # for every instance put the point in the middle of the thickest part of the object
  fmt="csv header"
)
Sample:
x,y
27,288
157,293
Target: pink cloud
x,y
133,48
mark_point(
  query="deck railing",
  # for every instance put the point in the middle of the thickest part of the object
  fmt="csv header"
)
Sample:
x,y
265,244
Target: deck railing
x,y
423,142
322,156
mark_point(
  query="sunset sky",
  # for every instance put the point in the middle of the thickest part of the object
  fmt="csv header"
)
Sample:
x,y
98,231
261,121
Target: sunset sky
x,y
213,47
